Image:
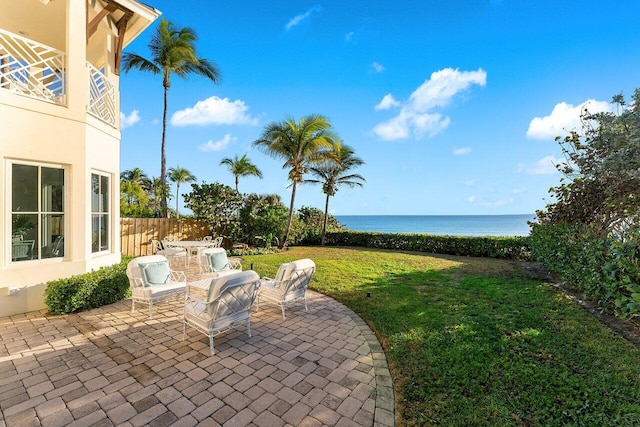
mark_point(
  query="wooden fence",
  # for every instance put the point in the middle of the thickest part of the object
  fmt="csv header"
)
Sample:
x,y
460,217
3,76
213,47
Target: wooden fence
x,y
136,233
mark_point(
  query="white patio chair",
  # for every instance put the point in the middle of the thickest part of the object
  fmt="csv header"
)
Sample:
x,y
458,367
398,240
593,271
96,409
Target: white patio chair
x,y
214,260
172,253
207,239
227,304
217,242
289,285
152,280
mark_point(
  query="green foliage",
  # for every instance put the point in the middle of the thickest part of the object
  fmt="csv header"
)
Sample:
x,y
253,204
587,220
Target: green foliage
x,y
606,269
589,234
515,248
261,215
601,173
217,204
472,342
308,229
91,290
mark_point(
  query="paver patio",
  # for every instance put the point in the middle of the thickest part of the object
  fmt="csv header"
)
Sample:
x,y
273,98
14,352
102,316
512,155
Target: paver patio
x,y
109,367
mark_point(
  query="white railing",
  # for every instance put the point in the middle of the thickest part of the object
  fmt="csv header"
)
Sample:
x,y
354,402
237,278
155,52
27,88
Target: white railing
x,y
31,68
102,96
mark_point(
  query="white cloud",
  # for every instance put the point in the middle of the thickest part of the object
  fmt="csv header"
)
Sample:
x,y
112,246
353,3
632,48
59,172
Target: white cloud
x,y
563,119
387,102
377,67
301,17
518,191
349,36
470,182
130,120
214,110
416,116
544,166
220,145
462,151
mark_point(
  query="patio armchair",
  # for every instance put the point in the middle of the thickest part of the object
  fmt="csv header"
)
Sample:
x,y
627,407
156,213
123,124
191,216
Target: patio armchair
x,y
214,260
226,305
289,285
152,280
159,248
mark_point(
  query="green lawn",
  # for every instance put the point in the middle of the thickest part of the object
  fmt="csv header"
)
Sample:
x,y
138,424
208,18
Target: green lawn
x,y
476,342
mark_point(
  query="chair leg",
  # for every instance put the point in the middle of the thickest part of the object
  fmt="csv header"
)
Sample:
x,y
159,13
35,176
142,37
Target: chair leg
x,y
213,352
305,303
283,316
133,305
184,330
249,327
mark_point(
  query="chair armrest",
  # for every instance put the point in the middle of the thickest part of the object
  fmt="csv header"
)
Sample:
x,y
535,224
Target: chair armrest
x,y
136,282
272,283
177,276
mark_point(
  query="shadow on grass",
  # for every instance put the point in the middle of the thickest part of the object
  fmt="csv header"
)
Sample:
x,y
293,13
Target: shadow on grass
x,y
477,342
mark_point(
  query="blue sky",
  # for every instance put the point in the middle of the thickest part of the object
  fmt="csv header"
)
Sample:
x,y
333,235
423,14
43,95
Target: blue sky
x,y
452,104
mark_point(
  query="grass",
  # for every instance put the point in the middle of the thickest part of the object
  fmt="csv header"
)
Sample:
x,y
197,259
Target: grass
x,y
477,342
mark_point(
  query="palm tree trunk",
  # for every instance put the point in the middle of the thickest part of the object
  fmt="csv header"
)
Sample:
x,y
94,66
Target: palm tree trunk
x,y
237,182
163,158
286,230
177,193
324,225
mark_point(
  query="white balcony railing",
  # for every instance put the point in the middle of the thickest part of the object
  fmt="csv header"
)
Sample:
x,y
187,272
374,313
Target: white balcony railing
x,y
102,96
38,71
31,68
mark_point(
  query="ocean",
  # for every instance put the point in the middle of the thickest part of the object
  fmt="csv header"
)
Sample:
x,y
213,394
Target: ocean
x,y
452,225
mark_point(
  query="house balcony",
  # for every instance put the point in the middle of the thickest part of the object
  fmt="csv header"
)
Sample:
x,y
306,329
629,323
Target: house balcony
x,y
38,71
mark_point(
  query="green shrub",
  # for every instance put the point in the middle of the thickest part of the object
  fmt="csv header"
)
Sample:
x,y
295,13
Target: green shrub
x,y
95,289
604,268
514,248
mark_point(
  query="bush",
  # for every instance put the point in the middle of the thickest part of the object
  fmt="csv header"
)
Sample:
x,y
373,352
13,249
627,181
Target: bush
x,y
91,290
514,248
604,268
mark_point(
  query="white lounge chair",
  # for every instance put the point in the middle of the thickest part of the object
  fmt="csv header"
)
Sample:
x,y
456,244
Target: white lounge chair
x,y
214,260
152,280
289,285
226,305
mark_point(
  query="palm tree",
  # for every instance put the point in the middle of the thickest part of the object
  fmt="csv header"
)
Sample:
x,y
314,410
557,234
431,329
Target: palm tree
x,y
158,193
179,176
241,167
333,173
300,144
136,176
173,51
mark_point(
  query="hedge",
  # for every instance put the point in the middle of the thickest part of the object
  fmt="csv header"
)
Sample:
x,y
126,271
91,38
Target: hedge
x,y
91,290
606,269
513,248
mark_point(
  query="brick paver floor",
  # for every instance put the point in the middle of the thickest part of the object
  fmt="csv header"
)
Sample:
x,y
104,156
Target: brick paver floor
x,y
108,367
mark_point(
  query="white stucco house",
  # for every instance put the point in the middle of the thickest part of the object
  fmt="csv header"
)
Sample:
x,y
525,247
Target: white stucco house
x,y
60,140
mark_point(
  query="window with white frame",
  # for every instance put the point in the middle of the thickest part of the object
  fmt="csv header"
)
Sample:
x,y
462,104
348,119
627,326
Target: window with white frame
x,y
99,212
37,211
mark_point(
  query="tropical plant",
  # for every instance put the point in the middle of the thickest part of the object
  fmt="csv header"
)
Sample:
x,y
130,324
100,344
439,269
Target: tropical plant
x,y
218,204
173,51
333,173
241,167
268,239
158,194
300,144
136,176
180,176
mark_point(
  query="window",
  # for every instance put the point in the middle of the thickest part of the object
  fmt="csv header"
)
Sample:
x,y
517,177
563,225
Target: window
x,y
99,212
37,212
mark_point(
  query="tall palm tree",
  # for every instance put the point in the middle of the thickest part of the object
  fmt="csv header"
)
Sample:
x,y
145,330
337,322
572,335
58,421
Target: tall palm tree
x,y
300,144
241,167
333,173
180,176
158,193
173,51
